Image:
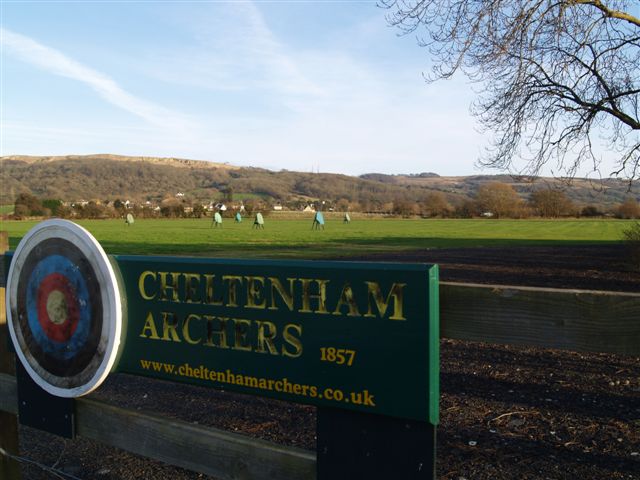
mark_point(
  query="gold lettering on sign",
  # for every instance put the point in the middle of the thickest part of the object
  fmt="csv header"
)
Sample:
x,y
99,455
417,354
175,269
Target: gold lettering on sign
x,y
301,295
347,299
307,296
381,304
267,332
255,292
241,330
285,295
169,284
150,328
209,295
141,288
169,327
216,330
292,339
185,329
232,289
192,288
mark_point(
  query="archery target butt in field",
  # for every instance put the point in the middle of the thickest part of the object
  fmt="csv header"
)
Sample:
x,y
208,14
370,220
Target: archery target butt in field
x,y
64,308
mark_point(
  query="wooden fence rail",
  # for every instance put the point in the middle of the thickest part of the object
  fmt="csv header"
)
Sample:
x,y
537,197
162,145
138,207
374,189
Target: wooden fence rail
x,y
579,320
225,455
551,318
8,422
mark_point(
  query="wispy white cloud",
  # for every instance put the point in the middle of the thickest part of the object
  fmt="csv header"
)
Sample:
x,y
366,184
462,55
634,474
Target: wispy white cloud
x,y
55,62
277,64
230,48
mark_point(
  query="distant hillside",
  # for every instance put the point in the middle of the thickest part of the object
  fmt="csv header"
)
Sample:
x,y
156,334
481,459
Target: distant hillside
x,y
108,177
174,162
605,192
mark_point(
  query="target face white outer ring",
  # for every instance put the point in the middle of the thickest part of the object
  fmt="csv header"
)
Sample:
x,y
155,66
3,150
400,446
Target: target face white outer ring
x,y
109,292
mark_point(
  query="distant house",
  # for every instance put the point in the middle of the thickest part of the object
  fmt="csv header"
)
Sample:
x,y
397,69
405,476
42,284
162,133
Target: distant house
x,y
179,195
277,208
309,208
220,207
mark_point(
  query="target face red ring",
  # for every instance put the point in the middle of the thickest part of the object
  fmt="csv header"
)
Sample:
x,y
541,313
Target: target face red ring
x,y
64,308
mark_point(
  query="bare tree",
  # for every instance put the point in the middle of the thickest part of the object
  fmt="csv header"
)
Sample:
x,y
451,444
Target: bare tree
x,y
500,199
555,76
551,203
435,203
630,208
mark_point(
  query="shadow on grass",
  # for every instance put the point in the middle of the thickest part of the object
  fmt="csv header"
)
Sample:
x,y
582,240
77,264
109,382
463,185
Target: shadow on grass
x,y
328,248
323,248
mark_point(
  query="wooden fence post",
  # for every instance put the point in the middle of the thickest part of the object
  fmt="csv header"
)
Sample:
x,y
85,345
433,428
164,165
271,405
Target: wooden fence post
x,y
9,468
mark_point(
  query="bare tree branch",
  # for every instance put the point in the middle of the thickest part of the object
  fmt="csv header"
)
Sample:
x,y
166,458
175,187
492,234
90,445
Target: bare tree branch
x,y
554,75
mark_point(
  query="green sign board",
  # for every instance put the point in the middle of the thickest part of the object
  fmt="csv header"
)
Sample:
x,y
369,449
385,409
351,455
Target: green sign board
x,y
357,336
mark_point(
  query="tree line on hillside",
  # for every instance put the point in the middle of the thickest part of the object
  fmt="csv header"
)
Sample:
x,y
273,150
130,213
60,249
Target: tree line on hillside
x,y
501,200
97,179
27,205
495,199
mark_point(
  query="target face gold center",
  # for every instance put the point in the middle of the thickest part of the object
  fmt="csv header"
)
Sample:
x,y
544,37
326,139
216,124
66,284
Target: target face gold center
x,y
57,307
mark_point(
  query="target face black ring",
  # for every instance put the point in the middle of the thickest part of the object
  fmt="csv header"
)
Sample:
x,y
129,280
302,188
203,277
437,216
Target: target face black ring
x,y
64,308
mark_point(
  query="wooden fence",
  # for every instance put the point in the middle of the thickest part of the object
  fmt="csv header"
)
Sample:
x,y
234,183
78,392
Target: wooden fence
x,y
552,318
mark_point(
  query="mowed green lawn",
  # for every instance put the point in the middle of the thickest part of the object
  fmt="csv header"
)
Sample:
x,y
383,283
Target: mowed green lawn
x,y
294,238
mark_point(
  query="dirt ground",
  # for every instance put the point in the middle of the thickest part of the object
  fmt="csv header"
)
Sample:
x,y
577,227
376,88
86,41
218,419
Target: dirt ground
x,y
506,412
590,267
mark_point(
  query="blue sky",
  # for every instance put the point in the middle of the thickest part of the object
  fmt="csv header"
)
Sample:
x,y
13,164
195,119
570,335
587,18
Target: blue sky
x,y
296,85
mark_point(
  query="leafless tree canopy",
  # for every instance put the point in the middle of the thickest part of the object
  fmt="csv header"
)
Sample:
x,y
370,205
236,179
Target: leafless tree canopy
x,y
556,76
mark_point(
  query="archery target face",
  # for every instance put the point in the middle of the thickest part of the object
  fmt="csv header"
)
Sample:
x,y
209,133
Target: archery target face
x,y
64,309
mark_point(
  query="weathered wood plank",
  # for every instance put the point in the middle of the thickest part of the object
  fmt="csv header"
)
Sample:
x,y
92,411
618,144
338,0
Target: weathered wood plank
x,y
201,449
206,450
8,422
8,394
579,320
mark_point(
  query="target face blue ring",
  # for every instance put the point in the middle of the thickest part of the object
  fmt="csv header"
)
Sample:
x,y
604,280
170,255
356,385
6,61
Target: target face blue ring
x,y
64,308
63,334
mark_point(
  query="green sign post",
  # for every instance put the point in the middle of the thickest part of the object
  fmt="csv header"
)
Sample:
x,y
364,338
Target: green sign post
x,y
355,336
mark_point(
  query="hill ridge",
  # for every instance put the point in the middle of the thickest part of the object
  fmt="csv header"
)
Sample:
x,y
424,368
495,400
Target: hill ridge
x,y
139,178
175,161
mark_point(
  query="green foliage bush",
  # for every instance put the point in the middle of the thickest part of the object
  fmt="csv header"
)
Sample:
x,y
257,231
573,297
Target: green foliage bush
x,y
632,238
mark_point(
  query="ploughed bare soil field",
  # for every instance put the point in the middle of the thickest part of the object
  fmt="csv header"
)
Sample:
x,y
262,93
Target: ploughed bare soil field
x,y
591,267
506,412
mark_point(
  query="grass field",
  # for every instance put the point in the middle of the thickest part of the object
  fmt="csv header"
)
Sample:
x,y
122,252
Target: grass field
x,y
293,238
